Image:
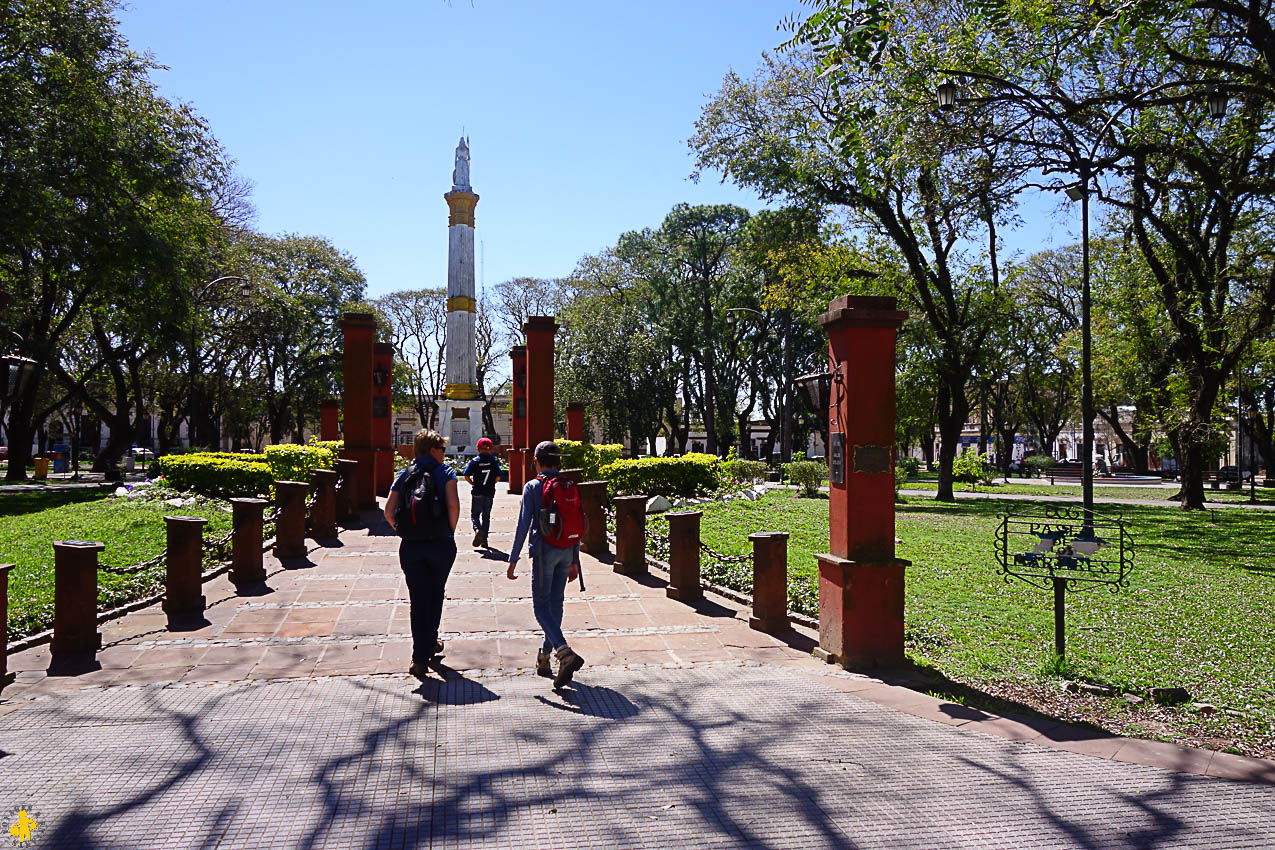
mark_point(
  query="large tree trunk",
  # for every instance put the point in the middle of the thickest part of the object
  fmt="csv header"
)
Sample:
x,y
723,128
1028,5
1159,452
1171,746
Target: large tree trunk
x,y
953,411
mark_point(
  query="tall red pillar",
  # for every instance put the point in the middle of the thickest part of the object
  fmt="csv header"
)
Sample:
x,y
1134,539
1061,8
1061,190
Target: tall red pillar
x,y
860,581
539,331
382,407
575,422
330,419
518,466
356,398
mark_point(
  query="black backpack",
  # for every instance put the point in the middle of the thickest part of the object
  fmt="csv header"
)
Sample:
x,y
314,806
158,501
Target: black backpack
x,y
421,513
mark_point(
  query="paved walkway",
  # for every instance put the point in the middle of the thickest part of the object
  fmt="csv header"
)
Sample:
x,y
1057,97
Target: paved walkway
x,y
287,721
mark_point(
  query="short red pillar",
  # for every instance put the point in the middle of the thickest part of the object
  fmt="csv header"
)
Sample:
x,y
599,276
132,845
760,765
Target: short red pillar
x,y
6,677
183,579
323,516
75,598
356,399
770,581
247,566
517,463
630,535
592,497
683,556
382,412
573,475
575,422
289,537
860,581
330,419
347,503
539,331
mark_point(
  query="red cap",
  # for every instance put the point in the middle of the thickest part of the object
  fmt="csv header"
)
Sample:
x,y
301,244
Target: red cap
x,y
483,443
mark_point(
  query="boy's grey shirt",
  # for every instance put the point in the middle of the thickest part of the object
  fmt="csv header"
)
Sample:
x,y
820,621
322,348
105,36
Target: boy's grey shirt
x,y
528,519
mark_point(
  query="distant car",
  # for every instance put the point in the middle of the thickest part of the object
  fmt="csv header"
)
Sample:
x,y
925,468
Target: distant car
x,y
142,453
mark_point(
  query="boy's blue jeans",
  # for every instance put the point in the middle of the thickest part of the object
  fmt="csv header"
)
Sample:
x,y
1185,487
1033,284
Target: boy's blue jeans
x,y
480,511
549,569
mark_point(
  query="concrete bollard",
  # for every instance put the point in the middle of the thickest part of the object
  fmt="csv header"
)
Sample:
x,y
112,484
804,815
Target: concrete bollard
x,y
630,535
323,516
75,598
576,475
183,580
770,581
683,557
289,537
247,565
592,495
347,503
6,677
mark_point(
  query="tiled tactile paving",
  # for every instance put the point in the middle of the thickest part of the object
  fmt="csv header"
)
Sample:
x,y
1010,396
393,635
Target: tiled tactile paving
x,y
707,756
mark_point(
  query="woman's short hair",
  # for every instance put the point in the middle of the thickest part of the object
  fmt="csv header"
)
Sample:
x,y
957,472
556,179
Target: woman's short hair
x,y
427,439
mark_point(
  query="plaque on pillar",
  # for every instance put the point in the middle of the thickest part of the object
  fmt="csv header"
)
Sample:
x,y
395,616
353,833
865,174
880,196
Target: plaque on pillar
x,y
520,408
837,456
380,407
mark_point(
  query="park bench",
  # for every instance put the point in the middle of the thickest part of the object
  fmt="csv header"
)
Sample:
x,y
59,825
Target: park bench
x,y
1064,473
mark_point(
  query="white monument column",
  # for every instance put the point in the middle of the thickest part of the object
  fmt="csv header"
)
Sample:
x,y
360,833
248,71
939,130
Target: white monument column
x,y
460,409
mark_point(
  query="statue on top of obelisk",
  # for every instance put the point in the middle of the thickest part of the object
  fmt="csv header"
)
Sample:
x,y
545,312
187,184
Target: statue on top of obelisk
x,y
460,174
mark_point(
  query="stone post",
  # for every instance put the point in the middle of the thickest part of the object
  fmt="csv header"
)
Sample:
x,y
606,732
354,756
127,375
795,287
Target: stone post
x,y
356,398
323,518
517,463
683,556
539,331
382,426
246,562
770,581
75,598
575,421
860,580
6,677
329,419
630,535
289,538
575,475
347,506
183,581
592,496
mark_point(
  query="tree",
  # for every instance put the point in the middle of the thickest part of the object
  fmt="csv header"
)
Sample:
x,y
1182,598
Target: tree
x,y
418,330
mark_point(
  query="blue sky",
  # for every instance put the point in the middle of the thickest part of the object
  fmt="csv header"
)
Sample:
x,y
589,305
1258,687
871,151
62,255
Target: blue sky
x,y
345,116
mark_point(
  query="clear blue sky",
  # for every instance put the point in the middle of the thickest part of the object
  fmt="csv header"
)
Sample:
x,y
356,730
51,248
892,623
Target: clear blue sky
x,y
345,116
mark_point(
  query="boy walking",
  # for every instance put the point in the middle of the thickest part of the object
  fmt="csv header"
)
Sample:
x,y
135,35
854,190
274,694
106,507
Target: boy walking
x,y
482,473
555,557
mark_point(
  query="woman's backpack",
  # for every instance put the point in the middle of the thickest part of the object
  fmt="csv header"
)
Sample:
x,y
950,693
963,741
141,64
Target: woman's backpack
x,y
421,513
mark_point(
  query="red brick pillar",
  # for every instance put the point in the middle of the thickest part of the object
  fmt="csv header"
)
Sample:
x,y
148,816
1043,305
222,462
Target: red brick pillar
x,y
75,598
860,581
330,419
382,413
770,581
6,677
517,463
289,537
539,331
592,496
683,556
246,563
356,399
183,580
323,516
630,535
575,422
347,505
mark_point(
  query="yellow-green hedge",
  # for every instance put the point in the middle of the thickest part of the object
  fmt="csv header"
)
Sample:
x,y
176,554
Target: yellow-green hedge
x,y
217,473
689,475
291,462
590,457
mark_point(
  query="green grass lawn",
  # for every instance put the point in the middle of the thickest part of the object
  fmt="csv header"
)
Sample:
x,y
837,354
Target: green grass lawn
x,y
1265,495
1197,613
132,529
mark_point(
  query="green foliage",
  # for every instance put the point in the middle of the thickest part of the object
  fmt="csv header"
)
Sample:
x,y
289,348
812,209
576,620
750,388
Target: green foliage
x,y
909,465
971,467
1037,464
690,475
217,473
590,457
291,462
900,479
806,473
740,469
335,446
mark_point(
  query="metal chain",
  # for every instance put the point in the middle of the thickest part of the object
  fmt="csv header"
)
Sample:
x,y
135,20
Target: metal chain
x,y
722,558
219,546
136,568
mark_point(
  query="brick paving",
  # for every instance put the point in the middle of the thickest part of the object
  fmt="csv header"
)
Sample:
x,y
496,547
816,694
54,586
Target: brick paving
x,y
287,721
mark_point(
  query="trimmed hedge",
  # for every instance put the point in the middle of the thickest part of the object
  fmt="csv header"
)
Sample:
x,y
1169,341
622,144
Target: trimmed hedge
x,y
689,475
807,473
590,457
741,470
291,462
217,473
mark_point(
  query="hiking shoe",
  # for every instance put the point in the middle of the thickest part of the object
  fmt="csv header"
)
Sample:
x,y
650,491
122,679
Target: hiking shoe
x,y
438,650
568,664
542,665
418,670
478,539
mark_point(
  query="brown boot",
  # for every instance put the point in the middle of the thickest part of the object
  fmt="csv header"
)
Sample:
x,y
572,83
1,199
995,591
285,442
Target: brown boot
x,y
568,664
542,665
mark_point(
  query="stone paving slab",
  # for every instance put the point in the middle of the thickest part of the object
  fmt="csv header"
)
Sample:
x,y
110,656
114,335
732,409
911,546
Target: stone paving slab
x,y
721,755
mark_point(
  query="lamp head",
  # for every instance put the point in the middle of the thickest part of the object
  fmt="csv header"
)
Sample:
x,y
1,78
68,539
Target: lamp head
x,y
946,92
1217,103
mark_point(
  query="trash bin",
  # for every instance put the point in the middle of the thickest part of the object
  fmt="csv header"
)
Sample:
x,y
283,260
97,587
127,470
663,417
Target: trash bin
x,y
129,463
60,462
41,468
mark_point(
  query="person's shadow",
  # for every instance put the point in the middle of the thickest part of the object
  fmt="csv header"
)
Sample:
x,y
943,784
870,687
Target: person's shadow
x,y
592,701
453,688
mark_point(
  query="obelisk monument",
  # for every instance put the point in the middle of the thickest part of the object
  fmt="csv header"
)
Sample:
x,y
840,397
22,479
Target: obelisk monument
x,y
460,409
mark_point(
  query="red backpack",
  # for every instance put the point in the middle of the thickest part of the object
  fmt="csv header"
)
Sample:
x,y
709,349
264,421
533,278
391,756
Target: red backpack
x,y
561,514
